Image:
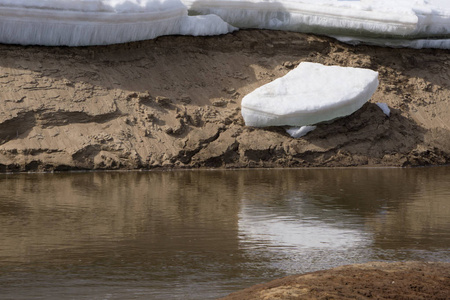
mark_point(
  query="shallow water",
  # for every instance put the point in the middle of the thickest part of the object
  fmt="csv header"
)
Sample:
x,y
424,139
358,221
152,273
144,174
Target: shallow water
x,y
204,234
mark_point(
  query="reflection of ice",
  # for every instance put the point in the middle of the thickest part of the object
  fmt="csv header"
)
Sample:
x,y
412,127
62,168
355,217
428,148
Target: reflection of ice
x,y
260,224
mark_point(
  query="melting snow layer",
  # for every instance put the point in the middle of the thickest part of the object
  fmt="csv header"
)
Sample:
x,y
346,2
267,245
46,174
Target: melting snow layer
x,y
398,23
310,94
99,22
379,20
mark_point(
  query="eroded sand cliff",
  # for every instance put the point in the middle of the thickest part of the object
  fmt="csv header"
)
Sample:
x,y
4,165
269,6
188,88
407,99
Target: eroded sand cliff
x,y
174,102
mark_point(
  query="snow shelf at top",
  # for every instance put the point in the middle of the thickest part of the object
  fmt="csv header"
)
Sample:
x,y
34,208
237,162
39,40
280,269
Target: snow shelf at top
x,y
372,20
99,22
309,94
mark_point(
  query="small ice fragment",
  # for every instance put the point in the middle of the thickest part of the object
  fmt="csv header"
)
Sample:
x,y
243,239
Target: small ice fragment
x,y
385,108
298,132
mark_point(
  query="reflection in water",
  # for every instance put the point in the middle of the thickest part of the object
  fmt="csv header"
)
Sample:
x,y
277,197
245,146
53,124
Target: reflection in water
x,y
203,234
261,224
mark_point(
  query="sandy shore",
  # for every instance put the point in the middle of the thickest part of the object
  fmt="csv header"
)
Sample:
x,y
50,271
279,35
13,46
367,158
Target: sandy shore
x,y
174,102
401,280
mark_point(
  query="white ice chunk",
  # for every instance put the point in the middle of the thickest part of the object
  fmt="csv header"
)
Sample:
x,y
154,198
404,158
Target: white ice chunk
x,y
309,94
99,22
402,19
298,132
385,108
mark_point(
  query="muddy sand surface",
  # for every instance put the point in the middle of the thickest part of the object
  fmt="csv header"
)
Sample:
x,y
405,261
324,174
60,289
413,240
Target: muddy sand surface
x,y
174,102
401,280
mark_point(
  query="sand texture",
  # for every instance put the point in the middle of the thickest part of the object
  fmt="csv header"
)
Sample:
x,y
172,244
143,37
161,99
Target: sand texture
x,y
174,102
400,280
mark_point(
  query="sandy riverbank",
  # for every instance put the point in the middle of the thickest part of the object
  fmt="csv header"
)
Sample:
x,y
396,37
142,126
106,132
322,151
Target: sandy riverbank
x,y
174,102
401,280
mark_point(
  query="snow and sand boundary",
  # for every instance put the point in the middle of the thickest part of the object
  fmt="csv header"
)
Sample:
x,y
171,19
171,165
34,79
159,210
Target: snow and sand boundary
x,y
175,102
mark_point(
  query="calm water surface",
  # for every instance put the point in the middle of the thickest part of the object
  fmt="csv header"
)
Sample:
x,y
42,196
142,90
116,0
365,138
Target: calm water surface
x,y
204,234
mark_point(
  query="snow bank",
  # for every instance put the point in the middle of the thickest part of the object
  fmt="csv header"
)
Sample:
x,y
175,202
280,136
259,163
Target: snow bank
x,y
99,22
310,94
400,19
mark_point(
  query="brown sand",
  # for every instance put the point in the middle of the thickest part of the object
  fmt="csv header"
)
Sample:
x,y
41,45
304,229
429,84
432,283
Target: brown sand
x,y
174,102
401,280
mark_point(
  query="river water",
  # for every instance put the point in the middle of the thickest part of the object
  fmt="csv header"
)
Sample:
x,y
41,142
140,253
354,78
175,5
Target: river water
x,y
204,234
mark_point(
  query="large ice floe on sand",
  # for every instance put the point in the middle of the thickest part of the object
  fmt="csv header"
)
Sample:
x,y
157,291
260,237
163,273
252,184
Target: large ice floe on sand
x,y
396,23
309,94
99,22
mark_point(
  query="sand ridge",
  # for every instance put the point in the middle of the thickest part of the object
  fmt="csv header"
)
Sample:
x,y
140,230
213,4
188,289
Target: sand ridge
x,y
374,280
